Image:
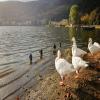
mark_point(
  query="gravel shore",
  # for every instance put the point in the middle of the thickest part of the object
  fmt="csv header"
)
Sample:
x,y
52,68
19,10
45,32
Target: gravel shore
x,y
85,87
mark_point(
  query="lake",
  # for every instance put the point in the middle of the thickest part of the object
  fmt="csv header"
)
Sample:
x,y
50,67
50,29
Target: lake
x,y
17,42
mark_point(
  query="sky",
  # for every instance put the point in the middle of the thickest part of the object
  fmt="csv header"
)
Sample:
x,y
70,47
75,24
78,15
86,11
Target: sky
x,y
18,0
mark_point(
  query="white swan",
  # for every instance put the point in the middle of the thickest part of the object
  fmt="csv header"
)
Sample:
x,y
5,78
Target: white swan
x,y
93,47
97,44
79,52
78,62
63,67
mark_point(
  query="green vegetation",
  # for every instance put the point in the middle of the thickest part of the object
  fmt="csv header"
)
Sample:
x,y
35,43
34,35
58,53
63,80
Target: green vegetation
x,y
91,18
74,15
76,18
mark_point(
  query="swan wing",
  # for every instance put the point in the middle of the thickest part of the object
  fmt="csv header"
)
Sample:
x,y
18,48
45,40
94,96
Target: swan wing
x,y
80,52
63,67
77,51
96,44
94,48
78,62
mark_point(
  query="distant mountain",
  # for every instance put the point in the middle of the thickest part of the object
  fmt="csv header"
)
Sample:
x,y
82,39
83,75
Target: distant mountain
x,y
33,12
36,12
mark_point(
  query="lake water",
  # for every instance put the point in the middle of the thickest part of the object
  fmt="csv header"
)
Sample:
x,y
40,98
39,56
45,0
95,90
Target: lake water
x,y
17,42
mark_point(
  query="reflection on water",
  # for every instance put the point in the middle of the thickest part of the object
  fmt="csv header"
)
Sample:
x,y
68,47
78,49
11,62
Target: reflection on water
x,y
82,36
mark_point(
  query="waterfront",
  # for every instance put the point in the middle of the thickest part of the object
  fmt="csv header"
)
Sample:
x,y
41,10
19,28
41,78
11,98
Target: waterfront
x,y
16,43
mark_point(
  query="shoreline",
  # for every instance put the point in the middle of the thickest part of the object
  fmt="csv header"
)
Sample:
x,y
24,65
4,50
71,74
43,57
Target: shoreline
x,y
85,87
49,89
19,87
45,84
81,26
97,26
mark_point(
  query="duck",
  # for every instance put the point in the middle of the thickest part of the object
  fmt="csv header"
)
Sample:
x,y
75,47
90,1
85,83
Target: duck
x,y
79,52
63,67
93,47
78,62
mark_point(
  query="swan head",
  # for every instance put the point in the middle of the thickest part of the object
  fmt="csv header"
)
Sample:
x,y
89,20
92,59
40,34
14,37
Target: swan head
x,y
59,54
86,65
90,39
74,42
73,39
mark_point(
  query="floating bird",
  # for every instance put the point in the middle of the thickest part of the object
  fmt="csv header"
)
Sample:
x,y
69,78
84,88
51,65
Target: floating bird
x,y
63,67
93,47
78,62
79,52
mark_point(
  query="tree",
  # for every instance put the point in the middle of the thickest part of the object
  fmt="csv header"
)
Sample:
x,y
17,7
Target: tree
x,y
74,15
92,17
85,19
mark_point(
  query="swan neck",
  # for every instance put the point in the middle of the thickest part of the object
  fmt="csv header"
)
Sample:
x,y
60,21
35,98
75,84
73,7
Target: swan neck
x,y
74,47
59,54
74,43
90,43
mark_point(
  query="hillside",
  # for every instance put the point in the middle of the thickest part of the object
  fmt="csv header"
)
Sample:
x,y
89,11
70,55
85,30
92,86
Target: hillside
x,y
30,12
35,12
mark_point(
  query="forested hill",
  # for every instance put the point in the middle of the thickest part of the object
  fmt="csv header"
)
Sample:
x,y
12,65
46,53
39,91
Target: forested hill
x,y
86,5
14,12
